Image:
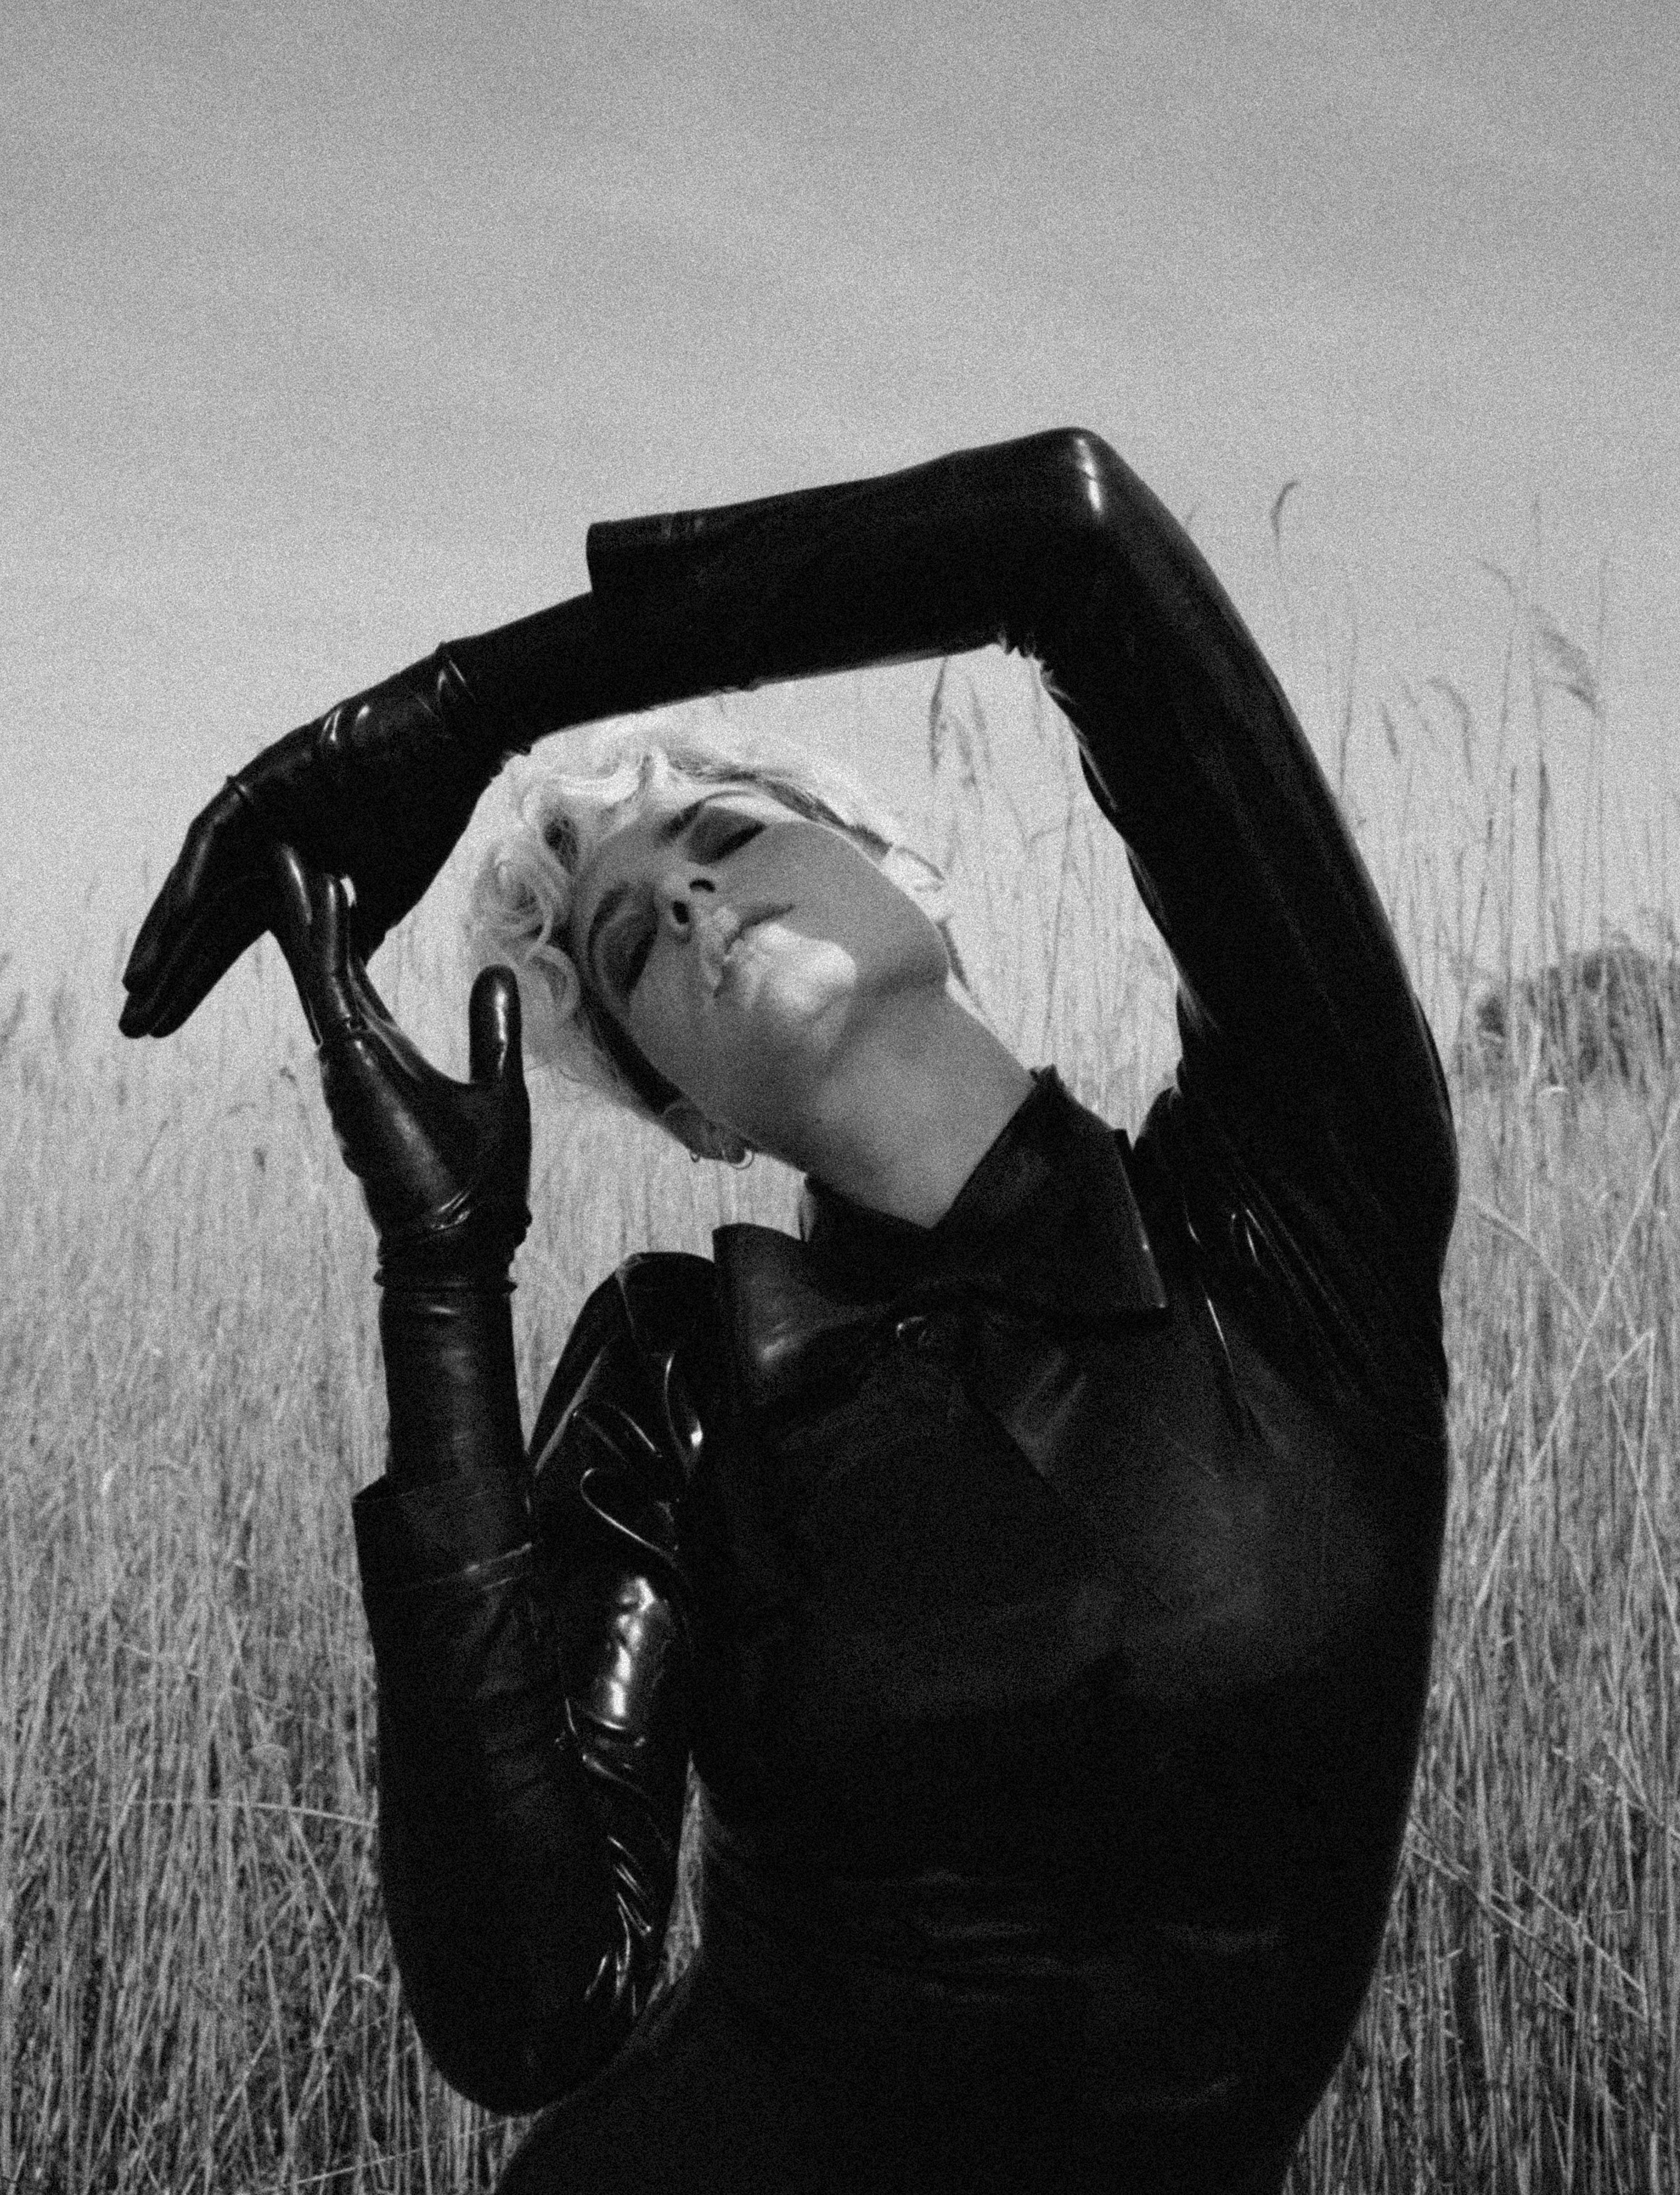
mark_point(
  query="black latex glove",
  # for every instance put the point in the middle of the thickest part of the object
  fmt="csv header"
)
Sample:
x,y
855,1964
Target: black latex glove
x,y
979,546
379,790
444,1165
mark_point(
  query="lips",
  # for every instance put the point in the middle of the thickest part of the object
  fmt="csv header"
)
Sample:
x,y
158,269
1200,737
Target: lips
x,y
722,932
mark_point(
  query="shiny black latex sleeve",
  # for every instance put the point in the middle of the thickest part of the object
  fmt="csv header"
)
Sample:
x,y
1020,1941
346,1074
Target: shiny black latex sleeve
x,y
493,1868
533,1635
1299,1020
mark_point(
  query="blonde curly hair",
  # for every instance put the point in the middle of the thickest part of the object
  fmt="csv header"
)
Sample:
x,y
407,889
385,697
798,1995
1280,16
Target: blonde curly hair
x,y
569,802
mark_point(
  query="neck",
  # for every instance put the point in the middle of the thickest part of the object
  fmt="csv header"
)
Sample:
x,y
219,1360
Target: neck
x,y
905,1119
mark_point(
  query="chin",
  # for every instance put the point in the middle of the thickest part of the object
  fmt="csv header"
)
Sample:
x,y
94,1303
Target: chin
x,y
799,999
811,1008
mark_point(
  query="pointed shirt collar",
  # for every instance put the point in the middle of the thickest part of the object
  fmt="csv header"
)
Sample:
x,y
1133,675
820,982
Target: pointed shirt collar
x,y
1047,1227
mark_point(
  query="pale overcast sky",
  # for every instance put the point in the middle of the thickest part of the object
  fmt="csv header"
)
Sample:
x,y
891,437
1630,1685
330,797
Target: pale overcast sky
x,y
330,327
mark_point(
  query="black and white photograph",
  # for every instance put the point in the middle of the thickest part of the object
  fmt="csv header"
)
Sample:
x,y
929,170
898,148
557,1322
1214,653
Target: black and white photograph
x,y
840,1098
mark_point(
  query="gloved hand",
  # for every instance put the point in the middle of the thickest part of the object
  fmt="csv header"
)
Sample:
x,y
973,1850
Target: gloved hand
x,y
992,544
444,1165
378,790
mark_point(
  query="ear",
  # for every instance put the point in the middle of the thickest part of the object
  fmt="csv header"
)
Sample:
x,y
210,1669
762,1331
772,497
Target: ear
x,y
918,879
696,1131
924,882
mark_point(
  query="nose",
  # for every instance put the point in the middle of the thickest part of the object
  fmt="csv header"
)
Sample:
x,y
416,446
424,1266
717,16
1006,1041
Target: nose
x,y
681,896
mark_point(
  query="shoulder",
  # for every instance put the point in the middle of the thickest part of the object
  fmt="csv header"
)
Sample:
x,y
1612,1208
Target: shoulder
x,y
644,1349
1286,1235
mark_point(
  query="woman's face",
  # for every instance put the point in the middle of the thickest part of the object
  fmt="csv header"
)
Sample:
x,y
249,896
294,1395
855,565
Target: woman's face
x,y
747,952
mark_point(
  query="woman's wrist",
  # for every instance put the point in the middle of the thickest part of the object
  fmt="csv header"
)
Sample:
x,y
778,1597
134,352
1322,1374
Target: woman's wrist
x,y
450,1379
542,673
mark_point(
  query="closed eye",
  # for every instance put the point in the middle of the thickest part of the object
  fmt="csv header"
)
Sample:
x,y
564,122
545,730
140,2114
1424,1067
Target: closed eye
x,y
629,945
638,959
726,834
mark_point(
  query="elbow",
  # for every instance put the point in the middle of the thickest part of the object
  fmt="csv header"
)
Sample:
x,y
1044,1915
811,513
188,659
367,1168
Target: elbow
x,y
1081,486
506,2038
484,2066
1078,513
503,2065
498,1958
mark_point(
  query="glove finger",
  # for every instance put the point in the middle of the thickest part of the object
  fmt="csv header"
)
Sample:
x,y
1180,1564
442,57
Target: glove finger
x,y
198,961
365,992
312,923
369,924
219,837
156,939
494,1050
213,902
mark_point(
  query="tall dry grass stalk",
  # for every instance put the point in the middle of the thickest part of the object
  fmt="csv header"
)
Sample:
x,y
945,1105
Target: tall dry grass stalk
x,y
196,1991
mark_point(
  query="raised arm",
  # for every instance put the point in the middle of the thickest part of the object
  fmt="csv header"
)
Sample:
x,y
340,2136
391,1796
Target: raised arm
x,y
1051,546
1294,995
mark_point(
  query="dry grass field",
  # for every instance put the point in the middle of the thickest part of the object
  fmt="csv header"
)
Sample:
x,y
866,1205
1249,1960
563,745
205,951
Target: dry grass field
x,y
196,1990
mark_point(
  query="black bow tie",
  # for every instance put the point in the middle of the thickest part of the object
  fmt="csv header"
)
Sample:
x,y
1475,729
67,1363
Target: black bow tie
x,y
1066,1253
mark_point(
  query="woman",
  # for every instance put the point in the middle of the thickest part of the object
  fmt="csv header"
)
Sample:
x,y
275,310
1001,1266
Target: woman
x,y
1037,1563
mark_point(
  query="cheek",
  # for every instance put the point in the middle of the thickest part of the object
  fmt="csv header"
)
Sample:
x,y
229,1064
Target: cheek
x,y
779,1013
887,922
660,1023
787,992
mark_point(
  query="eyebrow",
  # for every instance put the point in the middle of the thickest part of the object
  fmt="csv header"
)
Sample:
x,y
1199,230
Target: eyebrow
x,y
674,826
616,896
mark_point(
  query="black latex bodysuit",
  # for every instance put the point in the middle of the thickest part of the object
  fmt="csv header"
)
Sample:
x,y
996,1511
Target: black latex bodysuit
x,y
1045,1599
